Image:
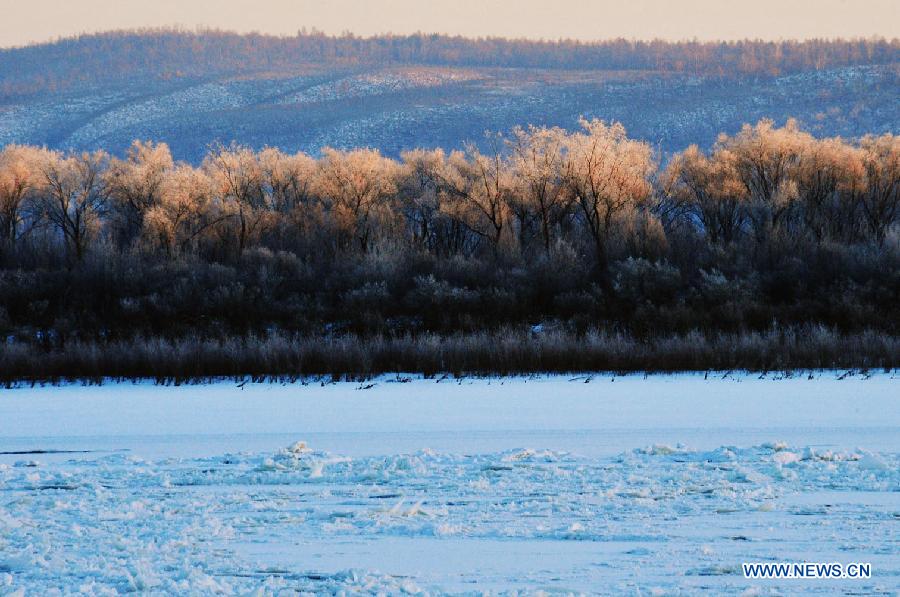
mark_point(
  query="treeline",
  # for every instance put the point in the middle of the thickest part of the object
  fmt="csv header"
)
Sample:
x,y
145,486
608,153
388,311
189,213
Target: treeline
x,y
574,231
166,53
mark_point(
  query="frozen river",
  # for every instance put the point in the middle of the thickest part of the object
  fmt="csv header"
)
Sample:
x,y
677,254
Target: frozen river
x,y
635,485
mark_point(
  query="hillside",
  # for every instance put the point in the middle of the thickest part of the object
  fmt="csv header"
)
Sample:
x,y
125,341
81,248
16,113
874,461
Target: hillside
x,y
190,89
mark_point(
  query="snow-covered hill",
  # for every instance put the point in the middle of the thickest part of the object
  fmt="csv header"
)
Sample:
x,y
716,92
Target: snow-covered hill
x,y
397,108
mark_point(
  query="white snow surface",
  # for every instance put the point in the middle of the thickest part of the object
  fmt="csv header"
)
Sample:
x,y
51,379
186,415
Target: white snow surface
x,y
642,485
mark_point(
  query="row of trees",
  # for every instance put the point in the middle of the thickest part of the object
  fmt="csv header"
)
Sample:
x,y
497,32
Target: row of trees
x,y
586,229
96,58
594,189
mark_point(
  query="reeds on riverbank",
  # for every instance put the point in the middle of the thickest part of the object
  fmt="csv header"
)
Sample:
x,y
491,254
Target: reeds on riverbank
x,y
482,353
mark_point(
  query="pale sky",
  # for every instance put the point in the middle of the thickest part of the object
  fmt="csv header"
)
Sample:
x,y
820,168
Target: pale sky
x,y
26,21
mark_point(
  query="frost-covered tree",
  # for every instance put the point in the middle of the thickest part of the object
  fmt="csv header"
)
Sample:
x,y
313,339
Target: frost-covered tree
x,y
830,177
766,159
287,182
286,179
608,177
432,193
19,176
539,170
74,197
237,178
420,186
355,186
881,192
478,186
531,187
711,190
134,185
183,212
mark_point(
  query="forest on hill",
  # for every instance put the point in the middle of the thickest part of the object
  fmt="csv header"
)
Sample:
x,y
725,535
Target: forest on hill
x,y
165,54
772,248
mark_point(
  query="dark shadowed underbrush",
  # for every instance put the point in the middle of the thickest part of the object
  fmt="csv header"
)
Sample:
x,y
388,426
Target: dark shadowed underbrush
x,y
516,351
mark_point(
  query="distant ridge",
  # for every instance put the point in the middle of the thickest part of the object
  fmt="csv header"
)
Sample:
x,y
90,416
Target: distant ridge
x,y
172,53
393,93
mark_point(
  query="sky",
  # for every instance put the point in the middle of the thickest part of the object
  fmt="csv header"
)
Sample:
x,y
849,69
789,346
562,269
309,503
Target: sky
x,y
28,21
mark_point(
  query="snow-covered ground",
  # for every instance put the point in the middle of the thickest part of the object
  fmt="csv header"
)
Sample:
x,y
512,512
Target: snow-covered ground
x,y
635,485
